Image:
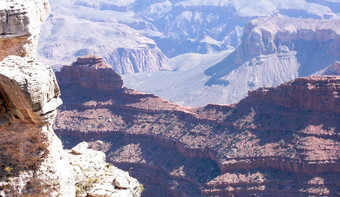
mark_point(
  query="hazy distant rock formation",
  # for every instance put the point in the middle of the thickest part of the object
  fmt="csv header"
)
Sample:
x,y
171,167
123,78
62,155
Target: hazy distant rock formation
x,y
20,26
274,51
74,29
282,139
133,36
334,69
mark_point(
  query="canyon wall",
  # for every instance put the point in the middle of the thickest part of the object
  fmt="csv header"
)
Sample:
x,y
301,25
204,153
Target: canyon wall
x,y
260,146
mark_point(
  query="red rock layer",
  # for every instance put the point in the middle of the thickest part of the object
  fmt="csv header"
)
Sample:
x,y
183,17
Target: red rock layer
x,y
278,140
90,72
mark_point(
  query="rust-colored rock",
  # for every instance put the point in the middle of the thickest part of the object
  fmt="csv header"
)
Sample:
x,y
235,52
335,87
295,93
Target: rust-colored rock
x,y
90,72
283,139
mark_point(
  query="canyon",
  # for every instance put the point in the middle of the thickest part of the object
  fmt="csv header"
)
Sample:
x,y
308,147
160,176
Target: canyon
x,y
137,36
283,139
273,50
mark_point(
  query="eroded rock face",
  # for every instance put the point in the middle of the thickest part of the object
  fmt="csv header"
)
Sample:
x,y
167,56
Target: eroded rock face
x,y
20,26
33,162
282,139
91,72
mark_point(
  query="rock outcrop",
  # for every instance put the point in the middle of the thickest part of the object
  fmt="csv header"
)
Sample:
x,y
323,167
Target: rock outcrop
x,y
95,177
33,162
20,26
259,146
88,68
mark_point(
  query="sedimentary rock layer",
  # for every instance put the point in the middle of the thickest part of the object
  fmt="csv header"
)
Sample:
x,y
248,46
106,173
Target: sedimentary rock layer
x,y
258,146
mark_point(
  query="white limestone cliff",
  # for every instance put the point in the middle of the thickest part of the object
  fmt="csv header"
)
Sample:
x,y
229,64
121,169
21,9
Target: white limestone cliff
x,y
33,162
32,159
20,22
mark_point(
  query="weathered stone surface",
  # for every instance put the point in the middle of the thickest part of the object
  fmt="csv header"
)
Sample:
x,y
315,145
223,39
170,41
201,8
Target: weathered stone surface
x,y
316,93
96,178
20,23
33,162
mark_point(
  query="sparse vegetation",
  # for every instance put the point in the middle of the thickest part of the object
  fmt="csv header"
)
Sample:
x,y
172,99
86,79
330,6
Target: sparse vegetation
x,y
108,165
8,170
141,187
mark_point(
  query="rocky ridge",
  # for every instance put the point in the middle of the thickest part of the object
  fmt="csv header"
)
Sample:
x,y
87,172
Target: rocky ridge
x,y
33,162
258,146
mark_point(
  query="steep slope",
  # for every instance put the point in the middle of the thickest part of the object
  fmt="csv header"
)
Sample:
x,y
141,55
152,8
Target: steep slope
x,y
260,146
273,51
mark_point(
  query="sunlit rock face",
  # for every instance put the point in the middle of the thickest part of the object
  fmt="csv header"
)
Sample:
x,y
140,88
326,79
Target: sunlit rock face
x,y
20,26
94,177
33,162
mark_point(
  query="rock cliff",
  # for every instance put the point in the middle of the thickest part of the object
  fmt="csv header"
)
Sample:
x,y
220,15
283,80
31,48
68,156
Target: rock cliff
x,y
33,162
20,26
259,146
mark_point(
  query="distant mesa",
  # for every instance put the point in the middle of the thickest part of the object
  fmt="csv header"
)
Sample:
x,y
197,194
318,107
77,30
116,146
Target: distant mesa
x,y
91,60
90,72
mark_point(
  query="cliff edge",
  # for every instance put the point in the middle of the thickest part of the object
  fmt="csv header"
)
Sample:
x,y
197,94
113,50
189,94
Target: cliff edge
x,y
33,161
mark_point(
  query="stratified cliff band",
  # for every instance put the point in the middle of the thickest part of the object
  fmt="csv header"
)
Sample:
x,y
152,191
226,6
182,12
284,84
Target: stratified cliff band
x,y
282,140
